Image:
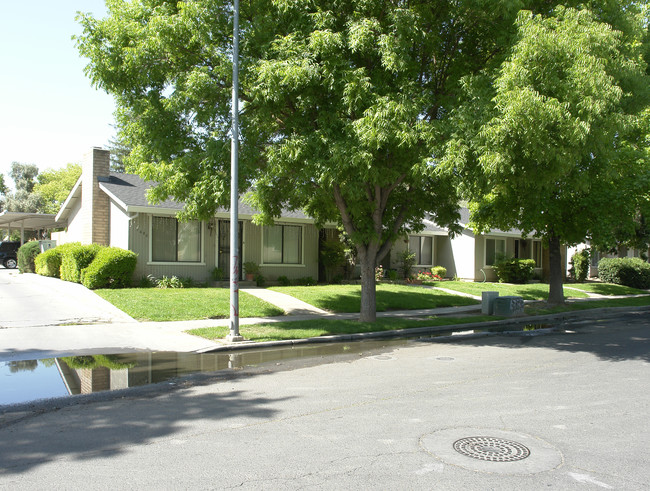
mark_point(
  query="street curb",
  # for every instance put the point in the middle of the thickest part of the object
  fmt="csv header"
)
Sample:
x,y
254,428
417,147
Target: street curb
x,y
398,333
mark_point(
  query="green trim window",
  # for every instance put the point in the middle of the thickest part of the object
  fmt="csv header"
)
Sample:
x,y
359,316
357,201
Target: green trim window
x,y
174,241
282,244
422,247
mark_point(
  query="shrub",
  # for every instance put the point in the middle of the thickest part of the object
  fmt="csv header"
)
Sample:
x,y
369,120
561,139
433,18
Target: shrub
x,y
379,273
392,274
284,281
148,281
306,281
513,270
76,258
167,282
26,255
217,274
628,271
260,280
439,271
579,269
332,256
251,267
407,261
112,267
48,263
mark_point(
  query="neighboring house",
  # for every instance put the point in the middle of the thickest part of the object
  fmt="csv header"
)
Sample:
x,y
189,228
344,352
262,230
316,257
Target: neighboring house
x,y
468,256
112,209
596,256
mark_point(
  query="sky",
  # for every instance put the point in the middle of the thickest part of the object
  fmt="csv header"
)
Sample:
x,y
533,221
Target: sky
x,y
50,114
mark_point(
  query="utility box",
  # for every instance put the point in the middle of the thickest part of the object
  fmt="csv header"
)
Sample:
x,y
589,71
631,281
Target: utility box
x,y
487,302
47,244
509,306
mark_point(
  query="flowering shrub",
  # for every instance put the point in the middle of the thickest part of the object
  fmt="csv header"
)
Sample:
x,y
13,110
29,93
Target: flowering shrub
x,y
379,272
428,276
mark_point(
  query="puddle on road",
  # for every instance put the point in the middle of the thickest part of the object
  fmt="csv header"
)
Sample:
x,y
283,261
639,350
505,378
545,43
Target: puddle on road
x,y
30,380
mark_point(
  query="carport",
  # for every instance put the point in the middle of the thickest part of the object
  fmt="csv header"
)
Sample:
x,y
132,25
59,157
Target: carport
x,y
14,220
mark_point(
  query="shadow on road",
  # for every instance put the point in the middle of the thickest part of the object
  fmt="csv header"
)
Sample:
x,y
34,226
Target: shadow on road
x,y
108,428
619,339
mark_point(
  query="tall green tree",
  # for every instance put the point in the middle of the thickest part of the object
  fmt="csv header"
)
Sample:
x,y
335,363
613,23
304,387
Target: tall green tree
x,y
345,104
552,148
23,199
54,185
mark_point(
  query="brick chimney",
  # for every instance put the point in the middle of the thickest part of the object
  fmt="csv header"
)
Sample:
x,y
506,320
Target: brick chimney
x,y
94,203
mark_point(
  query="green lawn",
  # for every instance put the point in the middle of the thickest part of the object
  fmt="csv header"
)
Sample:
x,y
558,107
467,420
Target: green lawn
x,y
532,291
322,327
606,288
155,304
347,298
541,309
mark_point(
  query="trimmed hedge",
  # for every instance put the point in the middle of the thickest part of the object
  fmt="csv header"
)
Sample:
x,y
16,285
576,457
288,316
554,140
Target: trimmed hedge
x,y
580,265
76,258
112,268
513,270
627,271
26,255
48,263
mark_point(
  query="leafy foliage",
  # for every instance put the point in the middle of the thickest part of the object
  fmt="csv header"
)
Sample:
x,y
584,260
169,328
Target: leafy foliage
x,y
112,267
76,258
513,270
54,185
406,262
440,271
628,271
579,269
48,263
26,256
544,146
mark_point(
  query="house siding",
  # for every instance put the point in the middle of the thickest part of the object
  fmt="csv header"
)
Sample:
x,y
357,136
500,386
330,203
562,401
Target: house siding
x,y
119,227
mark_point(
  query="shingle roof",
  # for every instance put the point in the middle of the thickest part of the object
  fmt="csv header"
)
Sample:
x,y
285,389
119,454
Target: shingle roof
x,y
130,190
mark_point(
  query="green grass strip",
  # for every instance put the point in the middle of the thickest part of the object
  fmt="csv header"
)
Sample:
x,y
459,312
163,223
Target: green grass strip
x,y
347,298
178,304
531,291
278,331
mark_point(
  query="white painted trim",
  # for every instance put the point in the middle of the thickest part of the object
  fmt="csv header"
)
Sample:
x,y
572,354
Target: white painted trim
x,y
113,197
71,196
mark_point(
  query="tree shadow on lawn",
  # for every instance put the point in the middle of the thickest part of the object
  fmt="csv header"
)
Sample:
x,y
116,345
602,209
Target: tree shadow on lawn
x,y
388,300
111,426
609,289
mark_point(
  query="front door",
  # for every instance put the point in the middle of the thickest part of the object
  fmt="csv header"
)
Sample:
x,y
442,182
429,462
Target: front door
x,y
224,247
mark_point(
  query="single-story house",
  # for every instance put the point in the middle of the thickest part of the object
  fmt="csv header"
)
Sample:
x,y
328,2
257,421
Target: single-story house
x,y
468,256
112,209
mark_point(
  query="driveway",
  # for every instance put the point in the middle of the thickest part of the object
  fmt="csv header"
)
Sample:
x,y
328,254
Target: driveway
x,y
30,300
41,317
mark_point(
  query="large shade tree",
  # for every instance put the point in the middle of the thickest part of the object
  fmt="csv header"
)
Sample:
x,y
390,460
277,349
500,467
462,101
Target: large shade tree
x,y
345,104
554,151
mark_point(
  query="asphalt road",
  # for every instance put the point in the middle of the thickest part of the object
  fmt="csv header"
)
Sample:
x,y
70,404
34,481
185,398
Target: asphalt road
x,y
568,410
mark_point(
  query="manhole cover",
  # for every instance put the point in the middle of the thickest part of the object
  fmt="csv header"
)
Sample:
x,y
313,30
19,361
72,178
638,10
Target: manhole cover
x,y
491,449
498,452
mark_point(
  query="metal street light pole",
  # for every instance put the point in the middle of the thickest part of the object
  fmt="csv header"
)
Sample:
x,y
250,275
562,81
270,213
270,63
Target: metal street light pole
x,y
234,185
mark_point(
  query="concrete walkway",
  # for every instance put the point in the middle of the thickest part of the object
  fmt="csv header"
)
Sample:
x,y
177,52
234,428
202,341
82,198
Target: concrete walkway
x,y
291,305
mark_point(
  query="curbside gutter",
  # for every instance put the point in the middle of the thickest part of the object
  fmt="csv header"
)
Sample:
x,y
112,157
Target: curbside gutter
x,y
604,312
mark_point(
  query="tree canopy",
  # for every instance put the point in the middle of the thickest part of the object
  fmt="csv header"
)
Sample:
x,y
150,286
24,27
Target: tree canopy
x,y
556,153
346,104
54,185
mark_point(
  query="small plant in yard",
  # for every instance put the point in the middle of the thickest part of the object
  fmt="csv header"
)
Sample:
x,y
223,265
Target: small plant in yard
x,y
284,280
169,282
379,272
428,276
392,274
217,274
440,271
260,280
407,261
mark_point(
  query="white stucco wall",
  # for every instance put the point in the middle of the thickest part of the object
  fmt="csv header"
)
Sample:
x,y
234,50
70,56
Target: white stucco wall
x,y
464,255
118,227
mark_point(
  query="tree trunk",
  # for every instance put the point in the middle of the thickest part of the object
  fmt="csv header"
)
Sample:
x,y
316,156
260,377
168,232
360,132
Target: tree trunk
x,y
368,258
555,290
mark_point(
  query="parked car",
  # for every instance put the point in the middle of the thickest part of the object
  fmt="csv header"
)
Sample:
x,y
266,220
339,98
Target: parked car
x,y
9,254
